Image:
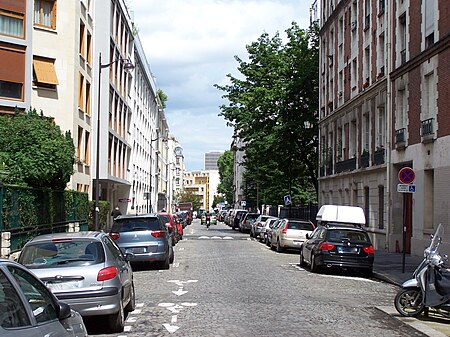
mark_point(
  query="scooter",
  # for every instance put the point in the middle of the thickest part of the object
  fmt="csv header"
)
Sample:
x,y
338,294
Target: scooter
x,y
430,287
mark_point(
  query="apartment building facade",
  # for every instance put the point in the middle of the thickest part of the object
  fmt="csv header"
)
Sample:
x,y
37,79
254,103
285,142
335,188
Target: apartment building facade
x,y
369,124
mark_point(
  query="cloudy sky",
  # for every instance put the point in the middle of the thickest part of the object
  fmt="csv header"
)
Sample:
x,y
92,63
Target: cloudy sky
x,y
191,44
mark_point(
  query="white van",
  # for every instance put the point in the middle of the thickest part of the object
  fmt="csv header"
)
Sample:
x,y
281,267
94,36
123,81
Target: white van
x,y
340,214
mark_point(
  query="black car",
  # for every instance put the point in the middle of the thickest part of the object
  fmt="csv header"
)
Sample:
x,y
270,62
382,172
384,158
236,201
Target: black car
x,y
337,245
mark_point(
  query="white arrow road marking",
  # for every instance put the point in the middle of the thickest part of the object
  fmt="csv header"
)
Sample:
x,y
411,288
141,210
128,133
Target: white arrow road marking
x,y
182,283
180,292
171,328
174,318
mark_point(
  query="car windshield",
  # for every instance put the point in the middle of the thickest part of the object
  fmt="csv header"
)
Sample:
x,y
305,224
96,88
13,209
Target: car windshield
x,y
130,225
65,253
347,235
300,225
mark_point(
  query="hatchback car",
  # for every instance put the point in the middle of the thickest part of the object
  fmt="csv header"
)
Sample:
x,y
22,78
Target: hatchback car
x,y
245,225
146,237
258,227
85,269
171,223
237,217
290,234
28,308
267,231
338,245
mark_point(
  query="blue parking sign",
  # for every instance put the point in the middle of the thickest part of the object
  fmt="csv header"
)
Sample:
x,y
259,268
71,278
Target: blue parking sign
x,y
287,200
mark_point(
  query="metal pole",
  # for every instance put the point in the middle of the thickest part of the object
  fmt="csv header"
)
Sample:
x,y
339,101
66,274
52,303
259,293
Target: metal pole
x,y
97,159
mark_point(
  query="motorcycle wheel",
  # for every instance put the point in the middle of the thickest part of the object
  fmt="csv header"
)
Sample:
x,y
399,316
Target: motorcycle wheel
x,y
409,302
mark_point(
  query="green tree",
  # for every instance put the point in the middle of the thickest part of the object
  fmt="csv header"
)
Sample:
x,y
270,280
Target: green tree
x,y
273,109
189,196
225,165
217,199
34,152
162,97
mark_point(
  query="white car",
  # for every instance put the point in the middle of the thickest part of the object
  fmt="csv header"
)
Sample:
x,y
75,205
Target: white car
x,y
290,234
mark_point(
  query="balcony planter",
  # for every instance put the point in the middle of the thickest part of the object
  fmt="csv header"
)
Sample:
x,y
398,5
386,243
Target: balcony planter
x,y
364,160
346,165
378,157
365,85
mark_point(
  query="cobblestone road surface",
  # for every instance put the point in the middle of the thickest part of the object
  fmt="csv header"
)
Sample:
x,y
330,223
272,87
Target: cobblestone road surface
x,y
222,283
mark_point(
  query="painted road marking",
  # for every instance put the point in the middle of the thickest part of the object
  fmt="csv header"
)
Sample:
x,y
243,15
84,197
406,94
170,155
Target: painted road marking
x,y
174,318
171,328
127,328
180,292
181,248
139,305
182,283
131,319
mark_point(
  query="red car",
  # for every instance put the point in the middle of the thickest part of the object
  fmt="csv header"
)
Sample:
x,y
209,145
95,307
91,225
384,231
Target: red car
x,y
179,223
170,222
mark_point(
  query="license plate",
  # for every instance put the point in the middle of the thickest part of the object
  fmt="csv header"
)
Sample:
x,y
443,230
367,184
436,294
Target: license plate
x,y
352,250
138,250
297,242
64,285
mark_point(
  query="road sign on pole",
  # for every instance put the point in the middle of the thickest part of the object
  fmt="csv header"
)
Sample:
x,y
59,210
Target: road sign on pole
x,y
406,175
406,188
287,200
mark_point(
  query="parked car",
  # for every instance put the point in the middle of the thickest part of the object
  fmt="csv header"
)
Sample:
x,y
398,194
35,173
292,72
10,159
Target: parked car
x,y
28,308
338,245
290,234
245,225
145,236
257,228
229,217
268,236
87,270
180,224
267,232
221,215
237,216
170,222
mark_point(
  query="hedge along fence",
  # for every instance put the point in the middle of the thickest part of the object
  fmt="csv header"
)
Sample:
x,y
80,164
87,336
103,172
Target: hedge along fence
x,y
27,212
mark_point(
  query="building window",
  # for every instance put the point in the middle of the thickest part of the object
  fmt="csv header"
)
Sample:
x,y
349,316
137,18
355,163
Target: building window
x,y
367,14
381,207
81,93
44,74
88,99
89,48
11,24
428,216
381,6
82,42
402,37
87,146
429,22
45,13
12,77
79,143
367,204
381,127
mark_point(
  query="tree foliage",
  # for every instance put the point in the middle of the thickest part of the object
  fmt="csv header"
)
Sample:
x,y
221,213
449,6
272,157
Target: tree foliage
x,y
34,152
273,109
225,165
189,196
162,97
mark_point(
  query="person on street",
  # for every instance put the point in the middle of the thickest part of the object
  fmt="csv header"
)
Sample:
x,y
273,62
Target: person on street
x,y
208,219
116,212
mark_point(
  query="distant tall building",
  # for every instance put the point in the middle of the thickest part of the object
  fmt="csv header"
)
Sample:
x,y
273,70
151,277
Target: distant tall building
x,y
211,160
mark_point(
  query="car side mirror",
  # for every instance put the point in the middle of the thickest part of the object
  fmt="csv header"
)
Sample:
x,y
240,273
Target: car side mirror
x,y
307,236
64,310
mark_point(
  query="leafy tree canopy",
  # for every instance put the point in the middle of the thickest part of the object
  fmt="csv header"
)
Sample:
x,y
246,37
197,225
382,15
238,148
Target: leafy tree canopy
x,y
162,97
34,152
189,196
273,109
225,165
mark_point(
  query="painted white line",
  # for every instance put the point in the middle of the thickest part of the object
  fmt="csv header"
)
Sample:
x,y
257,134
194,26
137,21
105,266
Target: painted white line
x,y
136,311
188,304
171,328
176,264
216,237
180,292
127,328
139,305
174,319
131,319
165,305
228,238
203,237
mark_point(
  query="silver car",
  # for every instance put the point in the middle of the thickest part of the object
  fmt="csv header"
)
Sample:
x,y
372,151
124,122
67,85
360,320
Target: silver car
x,y
290,234
146,237
87,270
28,308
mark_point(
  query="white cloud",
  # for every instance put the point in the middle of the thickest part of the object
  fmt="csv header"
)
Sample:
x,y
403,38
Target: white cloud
x,y
191,45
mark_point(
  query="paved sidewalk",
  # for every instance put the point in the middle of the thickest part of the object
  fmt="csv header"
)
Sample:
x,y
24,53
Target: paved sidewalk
x,y
389,268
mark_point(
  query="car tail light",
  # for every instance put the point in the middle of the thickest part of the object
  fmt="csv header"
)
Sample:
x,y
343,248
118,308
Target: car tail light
x,y
114,236
369,250
326,246
158,234
107,274
284,231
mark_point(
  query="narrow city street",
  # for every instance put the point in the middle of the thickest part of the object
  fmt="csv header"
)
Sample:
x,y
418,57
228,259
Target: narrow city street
x,y
223,283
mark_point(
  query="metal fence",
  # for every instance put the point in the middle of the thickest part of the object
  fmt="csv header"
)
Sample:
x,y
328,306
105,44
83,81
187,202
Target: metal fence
x,y
27,212
305,212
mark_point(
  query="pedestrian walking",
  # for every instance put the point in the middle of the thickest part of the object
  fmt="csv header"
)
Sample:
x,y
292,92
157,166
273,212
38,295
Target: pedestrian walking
x,y
116,212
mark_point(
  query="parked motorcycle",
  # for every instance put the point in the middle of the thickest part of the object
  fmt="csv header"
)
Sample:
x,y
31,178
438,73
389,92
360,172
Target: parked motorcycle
x,y
430,287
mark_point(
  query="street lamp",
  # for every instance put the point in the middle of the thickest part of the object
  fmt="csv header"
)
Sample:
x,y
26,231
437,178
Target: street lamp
x,y
127,66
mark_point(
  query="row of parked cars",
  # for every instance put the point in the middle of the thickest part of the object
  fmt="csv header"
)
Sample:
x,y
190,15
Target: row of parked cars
x,y
338,240
61,278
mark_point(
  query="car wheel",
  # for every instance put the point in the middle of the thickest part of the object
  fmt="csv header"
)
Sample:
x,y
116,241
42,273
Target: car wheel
x,y
302,260
272,247
132,303
267,242
116,322
166,263
314,266
279,248
172,257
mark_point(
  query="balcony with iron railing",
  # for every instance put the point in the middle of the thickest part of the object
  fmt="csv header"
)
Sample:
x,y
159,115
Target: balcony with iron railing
x,y
378,156
346,165
400,138
428,130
